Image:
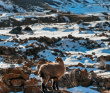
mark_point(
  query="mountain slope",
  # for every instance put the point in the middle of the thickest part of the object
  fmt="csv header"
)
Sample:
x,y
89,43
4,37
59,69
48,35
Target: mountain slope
x,y
82,6
74,6
8,6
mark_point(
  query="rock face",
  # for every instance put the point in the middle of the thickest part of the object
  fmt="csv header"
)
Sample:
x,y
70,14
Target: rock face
x,y
17,30
17,82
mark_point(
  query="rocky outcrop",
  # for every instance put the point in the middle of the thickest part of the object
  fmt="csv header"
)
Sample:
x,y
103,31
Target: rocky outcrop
x,y
31,86
16,30
15,78
84,78
75,78
106,58
27,29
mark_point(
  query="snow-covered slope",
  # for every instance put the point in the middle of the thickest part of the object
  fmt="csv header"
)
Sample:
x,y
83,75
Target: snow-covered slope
x,y
74,6
8,6
82,6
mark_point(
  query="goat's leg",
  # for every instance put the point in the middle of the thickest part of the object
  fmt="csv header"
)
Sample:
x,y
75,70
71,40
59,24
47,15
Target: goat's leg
x,y
43,87
57,82
44,81
54,86
57,85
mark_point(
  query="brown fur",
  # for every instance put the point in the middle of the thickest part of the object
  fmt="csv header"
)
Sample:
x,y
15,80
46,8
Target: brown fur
x,y
52,70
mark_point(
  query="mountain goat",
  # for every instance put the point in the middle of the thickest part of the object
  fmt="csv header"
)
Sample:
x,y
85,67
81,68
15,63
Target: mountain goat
x,y
52,71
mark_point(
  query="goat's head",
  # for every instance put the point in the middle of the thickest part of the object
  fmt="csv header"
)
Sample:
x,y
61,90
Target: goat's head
x,y
58,59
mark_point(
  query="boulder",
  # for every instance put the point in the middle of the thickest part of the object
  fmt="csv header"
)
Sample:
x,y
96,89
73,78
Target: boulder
x,y
19,61
70,36
8,82
16,56
79,64
75,78
64,82
25,67
6,52
30,64
101,84
16,30
10,76
100,58
6,71
32,82
101,67
84,73
89,66
92,75
28,29
17,71
86,82
17,82
107,67
15,74
107,58
107,85
75,74
25,76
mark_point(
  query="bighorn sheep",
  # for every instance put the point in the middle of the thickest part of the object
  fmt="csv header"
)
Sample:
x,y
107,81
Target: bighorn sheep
x,y
52,71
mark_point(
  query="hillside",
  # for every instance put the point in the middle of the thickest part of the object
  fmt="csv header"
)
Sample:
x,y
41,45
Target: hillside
x,y
33,34
84,47
74,6
82,6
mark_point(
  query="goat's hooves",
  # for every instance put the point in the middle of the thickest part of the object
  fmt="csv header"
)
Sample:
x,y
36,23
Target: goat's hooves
x,y
54,90
43,92
58,90
47,90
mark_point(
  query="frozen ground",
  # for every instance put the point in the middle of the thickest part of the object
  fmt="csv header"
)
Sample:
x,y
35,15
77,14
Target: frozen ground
x,y
68,46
